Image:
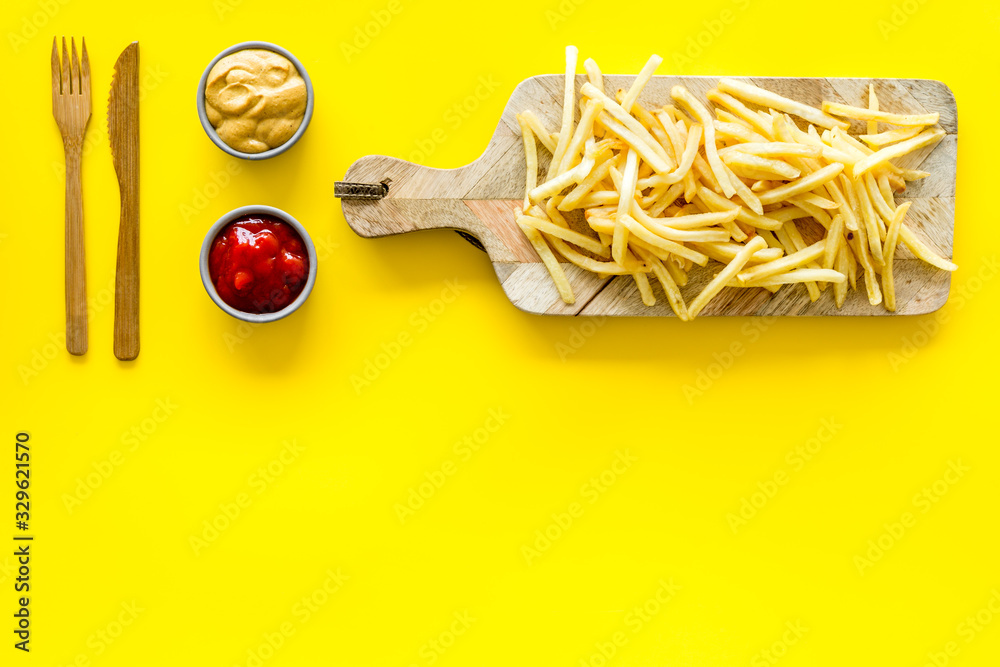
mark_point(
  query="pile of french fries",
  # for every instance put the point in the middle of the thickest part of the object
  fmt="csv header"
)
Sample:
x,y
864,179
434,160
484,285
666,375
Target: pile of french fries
x,y
666,189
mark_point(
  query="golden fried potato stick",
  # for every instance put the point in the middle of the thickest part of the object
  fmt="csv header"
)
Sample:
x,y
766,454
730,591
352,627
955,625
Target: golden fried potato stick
x,y
717,202
799,276
645,291
592,265
757,122
543,135
700,113
804,184
752,166
640,81
530,158
857,113
615,111
674,297
723,277
626,195
921,251
859,244
756,95
643,148
925,138
891,238
594,74
783,265
552,229
566,131
841,265
551,263
834,241
775,149
584,131
872,106
891,136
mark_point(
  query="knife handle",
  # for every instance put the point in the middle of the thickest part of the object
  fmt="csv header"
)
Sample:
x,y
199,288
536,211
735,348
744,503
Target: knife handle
x,y
127,273
76,274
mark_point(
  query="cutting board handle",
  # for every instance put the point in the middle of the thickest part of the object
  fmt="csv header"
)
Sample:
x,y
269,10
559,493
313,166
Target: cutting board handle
x,y
419,197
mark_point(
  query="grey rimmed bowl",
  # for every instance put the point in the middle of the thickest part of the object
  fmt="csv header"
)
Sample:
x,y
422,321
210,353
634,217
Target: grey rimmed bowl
x,y
206,249
203,115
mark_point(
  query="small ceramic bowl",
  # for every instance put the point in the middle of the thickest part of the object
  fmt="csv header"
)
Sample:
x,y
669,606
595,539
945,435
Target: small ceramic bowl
x,y
203,115
206,248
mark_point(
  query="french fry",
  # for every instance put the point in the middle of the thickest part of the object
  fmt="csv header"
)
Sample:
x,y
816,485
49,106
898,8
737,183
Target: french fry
x,y
531,159
722,277
551,264
756,95
925,138
891,136
696,109
640,82
804,184
891,238
857,113
566,130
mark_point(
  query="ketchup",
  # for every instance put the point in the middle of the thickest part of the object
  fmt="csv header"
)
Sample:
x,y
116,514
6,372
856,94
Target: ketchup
x,y
258,264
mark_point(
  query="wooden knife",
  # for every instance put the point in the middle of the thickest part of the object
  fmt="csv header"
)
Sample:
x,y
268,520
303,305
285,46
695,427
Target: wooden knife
x,y
123,130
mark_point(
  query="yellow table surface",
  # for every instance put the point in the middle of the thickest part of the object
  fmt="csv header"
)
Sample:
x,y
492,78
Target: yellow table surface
x,y
499,488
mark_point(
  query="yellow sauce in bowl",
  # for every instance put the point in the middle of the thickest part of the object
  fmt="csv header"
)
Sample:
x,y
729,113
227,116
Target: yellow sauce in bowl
x,y
255,99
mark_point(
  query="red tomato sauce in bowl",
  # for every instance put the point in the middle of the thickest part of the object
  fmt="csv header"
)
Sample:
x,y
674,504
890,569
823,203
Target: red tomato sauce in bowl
x,y
258,264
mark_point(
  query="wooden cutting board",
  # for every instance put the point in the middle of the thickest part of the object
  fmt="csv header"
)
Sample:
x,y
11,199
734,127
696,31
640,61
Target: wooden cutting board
x,y
480,199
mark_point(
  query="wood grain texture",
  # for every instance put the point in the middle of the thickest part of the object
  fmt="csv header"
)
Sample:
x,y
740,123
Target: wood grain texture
x,y
474,199
123,130
71,109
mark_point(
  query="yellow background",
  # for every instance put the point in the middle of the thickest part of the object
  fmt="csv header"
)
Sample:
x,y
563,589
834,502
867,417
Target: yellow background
x,y
570,394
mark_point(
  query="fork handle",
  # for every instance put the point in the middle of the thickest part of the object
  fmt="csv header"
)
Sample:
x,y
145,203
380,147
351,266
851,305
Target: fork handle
x,y
76,274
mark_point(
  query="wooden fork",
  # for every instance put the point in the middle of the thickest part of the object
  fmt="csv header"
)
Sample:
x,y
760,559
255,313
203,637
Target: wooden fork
x,y
71,108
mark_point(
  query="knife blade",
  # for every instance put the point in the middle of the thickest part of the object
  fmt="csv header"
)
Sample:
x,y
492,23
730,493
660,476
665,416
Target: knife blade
x,y
123,131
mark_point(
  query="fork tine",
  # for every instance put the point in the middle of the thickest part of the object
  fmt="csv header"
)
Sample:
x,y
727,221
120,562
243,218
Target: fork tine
x,y
85,71
75,74
56,84
66,86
